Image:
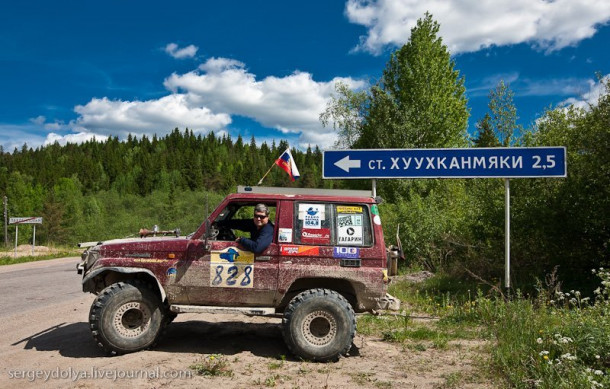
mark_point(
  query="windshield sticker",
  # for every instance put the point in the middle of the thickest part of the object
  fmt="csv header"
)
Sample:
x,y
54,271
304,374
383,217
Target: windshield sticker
x,y
316,236
349,220
350,235
346,252
312,215
299,251
285,235
348,209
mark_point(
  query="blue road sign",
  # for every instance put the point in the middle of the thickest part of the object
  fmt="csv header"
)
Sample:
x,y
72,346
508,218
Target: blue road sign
x,y
501,162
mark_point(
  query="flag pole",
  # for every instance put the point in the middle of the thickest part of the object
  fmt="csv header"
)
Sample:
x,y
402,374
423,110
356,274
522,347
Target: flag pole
x,y
261,180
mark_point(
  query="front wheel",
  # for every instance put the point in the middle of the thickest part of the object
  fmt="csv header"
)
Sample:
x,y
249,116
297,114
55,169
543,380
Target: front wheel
x,y
126,317
319,325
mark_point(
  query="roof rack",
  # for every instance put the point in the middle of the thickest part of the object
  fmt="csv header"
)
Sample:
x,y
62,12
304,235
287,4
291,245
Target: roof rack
x,y
304,191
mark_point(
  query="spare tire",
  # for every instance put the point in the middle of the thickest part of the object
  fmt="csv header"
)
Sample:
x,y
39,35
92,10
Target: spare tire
x,y
319,325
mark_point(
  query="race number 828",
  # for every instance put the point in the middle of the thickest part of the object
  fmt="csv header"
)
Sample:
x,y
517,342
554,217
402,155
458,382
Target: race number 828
x,y
231,275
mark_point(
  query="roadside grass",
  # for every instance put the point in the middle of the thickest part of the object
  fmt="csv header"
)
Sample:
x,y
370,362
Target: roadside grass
x,y
6,257
551,339
214,365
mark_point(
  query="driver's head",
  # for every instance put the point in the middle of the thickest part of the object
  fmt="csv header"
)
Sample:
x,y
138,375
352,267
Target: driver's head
x,y
261,215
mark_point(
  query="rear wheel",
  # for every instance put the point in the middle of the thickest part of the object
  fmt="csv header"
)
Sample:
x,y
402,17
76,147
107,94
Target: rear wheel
x,y
126,317
319,325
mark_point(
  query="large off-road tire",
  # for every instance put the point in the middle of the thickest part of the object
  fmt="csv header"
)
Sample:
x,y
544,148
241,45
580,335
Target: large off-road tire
x,y
319,325
126,317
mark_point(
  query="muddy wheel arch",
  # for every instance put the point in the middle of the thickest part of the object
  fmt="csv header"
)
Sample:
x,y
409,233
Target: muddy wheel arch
x,y
345,288
99,279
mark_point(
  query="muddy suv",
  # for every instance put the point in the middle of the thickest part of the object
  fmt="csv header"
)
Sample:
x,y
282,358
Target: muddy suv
x,y
327,261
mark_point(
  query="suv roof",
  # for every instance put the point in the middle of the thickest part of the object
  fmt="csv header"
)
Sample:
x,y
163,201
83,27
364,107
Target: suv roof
x,y
305,193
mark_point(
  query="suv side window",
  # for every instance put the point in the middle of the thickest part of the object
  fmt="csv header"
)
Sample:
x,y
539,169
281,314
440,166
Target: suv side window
x,y
353,225
312,224
332,224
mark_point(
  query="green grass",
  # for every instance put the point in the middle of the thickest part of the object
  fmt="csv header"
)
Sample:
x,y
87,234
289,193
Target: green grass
x,y
214,365
7,259
548,340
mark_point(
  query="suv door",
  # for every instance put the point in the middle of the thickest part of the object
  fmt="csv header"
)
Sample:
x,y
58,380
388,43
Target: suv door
x,y
226,275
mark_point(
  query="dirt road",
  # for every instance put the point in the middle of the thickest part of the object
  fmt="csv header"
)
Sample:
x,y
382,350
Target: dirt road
x,y
45,342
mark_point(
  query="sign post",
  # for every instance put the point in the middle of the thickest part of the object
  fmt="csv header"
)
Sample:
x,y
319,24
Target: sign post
x,y
25,220
494,162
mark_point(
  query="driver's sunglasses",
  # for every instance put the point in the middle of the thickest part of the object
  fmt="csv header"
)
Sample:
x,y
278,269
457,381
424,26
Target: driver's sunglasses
x,y
260,216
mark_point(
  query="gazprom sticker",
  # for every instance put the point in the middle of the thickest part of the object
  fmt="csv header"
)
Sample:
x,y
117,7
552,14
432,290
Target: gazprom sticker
x,y
346,252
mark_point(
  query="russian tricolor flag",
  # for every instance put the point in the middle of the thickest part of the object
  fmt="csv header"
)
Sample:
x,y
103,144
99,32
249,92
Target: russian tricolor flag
x,y
286,162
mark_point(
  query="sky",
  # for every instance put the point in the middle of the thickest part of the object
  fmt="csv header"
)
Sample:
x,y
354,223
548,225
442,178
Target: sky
x,y
74,70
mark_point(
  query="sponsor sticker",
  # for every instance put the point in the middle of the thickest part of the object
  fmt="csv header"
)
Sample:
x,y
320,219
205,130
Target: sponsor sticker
x,y
350,235
349,220
285,235
316,236
346,252
312,215
377,220
232,268
375,210
348,209
232,255
299,251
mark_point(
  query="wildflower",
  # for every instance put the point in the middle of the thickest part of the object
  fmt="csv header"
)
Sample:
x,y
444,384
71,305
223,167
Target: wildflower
x,y
543,353
597,357
539,340
546,357
568,356
598,372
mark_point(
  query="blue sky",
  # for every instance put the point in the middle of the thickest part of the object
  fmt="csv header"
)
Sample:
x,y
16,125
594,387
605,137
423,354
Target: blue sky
x,y
73,70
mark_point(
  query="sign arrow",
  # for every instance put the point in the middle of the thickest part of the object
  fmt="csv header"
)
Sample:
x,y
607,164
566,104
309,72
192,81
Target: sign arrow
x,y
347,164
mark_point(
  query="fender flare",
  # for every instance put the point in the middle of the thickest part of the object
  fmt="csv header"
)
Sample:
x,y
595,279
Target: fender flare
x,y
124,270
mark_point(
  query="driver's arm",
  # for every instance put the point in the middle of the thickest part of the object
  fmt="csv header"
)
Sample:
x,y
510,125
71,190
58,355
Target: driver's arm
x,y
262,241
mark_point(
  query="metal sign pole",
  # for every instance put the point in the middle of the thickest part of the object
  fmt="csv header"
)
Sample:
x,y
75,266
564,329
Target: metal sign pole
x,y
34,240
374,188
16,237
507,234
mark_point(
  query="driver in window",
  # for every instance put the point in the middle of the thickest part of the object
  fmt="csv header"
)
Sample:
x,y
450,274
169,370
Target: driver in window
x,y
260,229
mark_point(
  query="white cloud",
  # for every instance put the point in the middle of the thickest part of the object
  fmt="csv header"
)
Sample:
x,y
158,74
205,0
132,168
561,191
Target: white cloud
x,y
15,136
205,100
80,137
116,117
590,97
469,25
290,104
181,53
